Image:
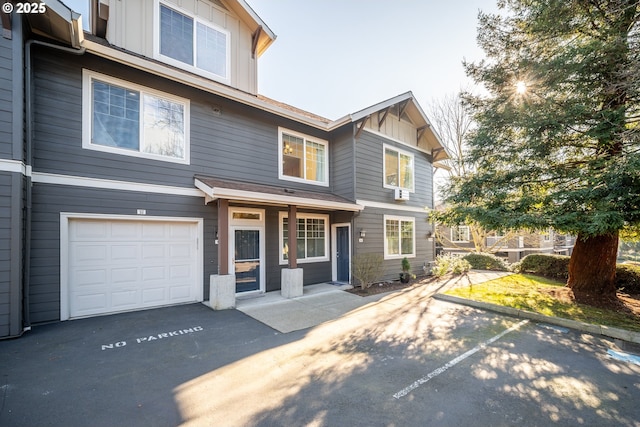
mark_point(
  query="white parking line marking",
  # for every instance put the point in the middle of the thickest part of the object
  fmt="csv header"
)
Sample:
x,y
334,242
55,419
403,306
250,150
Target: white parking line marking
x,y
455,361
625,357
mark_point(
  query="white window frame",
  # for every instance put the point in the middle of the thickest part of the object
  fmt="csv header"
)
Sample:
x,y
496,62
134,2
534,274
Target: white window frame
x,y
196,20
282,215
467,233
386,147
400,219
87,118
306,138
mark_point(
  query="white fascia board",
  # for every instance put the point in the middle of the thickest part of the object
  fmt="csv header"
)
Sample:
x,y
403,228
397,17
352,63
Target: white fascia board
x,y
108,184
257,19
196,82
256,197
391,206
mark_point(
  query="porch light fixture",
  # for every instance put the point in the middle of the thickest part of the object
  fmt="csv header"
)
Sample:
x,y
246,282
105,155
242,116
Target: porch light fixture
x,y
363,233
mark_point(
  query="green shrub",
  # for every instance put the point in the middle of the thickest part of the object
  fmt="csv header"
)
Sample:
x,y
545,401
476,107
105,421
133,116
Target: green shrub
x,y
367,269
628,278
557,267
552,266
450,264
486,262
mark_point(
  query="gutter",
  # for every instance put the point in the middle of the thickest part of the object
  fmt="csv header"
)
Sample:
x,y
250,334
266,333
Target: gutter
x,y
28,82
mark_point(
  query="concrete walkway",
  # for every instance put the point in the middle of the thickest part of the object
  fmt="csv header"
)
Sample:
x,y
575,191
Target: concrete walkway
x,y
324,302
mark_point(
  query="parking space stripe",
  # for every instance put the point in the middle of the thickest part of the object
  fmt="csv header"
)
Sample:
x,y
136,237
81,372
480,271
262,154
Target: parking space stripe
x,y
455,361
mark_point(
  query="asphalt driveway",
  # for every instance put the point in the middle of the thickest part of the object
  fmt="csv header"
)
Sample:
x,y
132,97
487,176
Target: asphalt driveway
x,y
405,360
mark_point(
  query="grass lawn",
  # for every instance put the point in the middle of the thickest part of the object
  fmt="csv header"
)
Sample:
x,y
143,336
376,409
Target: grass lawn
x,y
544,296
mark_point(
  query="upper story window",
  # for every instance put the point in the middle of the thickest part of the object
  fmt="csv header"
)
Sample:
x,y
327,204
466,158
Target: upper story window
x,y
191,43
124,118
398,169
303,158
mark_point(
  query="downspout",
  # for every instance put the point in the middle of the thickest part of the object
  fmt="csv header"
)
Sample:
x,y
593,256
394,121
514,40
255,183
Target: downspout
x,y
29,162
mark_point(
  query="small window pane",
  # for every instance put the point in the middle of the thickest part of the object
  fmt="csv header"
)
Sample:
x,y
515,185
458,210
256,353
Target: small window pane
x,y
292,152
407,237
393,237
391,167
116,116
316,158
163,127
176,35
406,172
211,50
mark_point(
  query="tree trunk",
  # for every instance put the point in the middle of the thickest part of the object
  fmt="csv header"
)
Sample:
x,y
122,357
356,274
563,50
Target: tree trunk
x,y
592,268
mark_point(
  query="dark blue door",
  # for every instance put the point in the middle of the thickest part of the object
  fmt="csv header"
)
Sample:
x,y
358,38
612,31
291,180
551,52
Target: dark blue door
x,y
247,260
342,254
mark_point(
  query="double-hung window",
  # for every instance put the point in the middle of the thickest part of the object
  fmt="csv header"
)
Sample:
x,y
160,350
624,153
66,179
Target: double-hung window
x,y
192,43
125,118
303,158
398,169
399,237
311,238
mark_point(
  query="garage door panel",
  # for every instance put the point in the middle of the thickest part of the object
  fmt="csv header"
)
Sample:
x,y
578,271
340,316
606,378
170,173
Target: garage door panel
x,y
124,275
126,230
87,278
154,251
128,252
89,254
180,251
117,265
157,273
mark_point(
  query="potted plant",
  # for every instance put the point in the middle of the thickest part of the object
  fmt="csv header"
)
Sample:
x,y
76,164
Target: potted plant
x,y
405,276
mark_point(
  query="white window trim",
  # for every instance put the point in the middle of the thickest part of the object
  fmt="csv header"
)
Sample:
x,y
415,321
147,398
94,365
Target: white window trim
x,y
87,117
196,19
468,234
384,168
327,236
306,138
387,255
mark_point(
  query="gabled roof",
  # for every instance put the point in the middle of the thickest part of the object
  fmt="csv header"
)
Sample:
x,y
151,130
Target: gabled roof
x,y
262,32
405,105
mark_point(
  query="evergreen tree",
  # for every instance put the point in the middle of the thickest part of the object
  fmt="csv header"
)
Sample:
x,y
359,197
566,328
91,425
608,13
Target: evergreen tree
x,y
557,142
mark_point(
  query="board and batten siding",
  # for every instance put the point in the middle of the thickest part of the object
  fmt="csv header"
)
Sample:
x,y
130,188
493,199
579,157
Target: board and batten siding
x,y
370,170
372,220
227,140
131,26
50,200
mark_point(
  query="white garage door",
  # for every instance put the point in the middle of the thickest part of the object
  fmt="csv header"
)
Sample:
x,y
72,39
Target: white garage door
x,y
121,265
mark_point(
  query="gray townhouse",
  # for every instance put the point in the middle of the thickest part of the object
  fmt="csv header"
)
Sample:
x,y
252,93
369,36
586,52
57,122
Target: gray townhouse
x,y
139,164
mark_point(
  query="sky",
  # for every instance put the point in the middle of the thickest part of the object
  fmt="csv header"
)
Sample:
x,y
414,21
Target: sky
x,y
336,57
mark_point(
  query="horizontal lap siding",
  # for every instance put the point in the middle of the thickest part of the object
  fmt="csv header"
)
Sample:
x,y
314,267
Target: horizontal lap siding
x,y
227,140
369,172
6,98
5,253
372,220
50,200
317,272
342,173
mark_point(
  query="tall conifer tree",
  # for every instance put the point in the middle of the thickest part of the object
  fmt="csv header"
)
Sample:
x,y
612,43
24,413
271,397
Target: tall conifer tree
x,y
557,142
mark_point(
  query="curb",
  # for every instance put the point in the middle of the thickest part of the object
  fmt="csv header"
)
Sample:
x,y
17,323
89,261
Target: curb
x,y
606,331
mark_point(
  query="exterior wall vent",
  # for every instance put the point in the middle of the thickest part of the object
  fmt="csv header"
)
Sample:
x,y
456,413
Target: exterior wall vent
x,y
401,194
